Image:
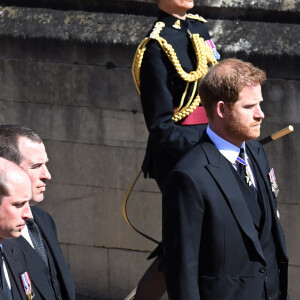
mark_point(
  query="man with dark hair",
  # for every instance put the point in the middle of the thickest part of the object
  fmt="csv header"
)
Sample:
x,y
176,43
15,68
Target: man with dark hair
x,y
221,234
15,193
47,268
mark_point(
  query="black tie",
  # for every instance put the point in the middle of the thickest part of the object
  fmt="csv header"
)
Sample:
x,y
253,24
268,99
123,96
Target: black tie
x,y
4,284
241,168
37,240
253,206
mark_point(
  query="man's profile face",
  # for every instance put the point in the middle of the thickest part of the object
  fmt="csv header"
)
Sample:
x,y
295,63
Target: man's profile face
x,y
14,209
179,6
245,116
34,164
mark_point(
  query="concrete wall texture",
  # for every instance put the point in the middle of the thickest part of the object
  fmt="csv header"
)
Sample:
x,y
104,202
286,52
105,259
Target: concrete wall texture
x,y
65,71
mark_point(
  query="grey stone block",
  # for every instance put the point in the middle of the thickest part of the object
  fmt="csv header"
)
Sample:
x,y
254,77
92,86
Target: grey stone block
x,y
65,251
144,211
80,85
74,230
232,36
41,50
78,124
124,129
126,268
92,165
99,221
281,101
289,218
89,267
294,282
277,5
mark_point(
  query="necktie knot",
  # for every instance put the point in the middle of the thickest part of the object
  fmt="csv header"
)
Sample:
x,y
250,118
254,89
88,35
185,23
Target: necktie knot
x,y
37,239
241,159
241,163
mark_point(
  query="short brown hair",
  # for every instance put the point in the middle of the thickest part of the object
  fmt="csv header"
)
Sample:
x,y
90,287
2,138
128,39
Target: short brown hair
x,y
224,81
9,141
3,189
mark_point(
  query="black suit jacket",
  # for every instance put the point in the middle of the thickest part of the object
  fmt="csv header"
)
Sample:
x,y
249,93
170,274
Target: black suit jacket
x,y
17,264
211,247
161,90
37,270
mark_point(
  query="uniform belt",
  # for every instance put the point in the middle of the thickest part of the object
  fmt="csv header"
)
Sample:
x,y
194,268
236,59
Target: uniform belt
x,y
198,116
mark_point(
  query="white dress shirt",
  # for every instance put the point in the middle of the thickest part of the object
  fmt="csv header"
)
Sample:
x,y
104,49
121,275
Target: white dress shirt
x,y
5,271
26,236
230,151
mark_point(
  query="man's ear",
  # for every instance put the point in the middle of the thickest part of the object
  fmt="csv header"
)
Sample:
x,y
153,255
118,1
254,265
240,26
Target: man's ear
x,y
221,108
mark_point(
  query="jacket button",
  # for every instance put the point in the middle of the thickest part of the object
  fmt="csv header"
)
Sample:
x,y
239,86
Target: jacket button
x,y
262,270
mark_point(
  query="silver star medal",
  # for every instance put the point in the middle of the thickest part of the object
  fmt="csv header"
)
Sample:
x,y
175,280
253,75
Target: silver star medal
x,y
248,176
273,182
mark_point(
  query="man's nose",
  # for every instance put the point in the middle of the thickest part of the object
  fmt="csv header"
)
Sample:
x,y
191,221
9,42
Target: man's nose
x,y
259,114
27,214
45,173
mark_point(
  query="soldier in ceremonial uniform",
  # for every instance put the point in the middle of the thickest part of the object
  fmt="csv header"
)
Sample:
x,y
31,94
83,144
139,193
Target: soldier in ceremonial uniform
x,y
167,67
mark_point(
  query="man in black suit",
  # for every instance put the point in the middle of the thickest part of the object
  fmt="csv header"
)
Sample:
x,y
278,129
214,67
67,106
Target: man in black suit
x,y
48,270
15,193
221,236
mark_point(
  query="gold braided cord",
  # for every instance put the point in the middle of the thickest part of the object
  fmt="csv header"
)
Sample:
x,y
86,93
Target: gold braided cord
x,y
182,98
187,110
204,56
137,62
192,96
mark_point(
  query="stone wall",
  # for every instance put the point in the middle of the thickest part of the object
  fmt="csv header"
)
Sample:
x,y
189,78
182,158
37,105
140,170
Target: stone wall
x,y
65,71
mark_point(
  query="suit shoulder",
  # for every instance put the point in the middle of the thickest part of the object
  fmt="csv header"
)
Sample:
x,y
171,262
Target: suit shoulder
x,y
37,211
256,145
257,149
13,247
41,215
196,17
192,160
11,244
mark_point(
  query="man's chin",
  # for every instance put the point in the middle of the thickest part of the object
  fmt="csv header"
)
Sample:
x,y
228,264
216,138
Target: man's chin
x,y
36,201
13,235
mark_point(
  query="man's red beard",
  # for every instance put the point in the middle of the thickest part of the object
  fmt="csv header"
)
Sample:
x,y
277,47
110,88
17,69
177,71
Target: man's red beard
x,y
241,132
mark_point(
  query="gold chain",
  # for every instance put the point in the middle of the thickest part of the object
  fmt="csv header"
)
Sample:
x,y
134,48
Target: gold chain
x,y
204,56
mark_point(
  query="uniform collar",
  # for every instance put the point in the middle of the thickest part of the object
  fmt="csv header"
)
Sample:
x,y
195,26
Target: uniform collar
x,y
170,20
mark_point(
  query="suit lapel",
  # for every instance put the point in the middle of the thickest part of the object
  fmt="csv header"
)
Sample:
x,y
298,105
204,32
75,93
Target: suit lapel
x,y
16,262
260,161
38,278
2,295
258,156
220,170
50,238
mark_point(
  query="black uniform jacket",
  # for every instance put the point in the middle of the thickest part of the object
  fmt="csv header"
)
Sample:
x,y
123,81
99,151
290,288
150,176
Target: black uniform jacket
x,y
161,91
37,269
211,247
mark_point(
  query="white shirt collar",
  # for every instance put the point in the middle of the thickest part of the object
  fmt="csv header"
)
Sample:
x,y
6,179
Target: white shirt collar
x,y
230,151
26,236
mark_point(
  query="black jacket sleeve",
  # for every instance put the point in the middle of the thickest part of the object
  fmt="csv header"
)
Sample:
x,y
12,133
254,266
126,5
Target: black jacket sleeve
x,y
158,80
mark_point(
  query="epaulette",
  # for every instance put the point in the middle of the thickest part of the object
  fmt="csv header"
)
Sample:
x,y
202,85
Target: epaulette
x,y
156,30
196,17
